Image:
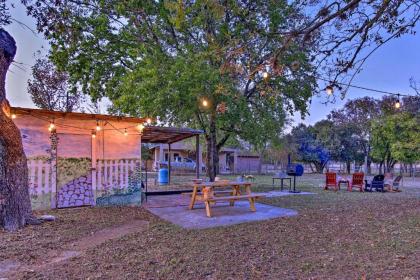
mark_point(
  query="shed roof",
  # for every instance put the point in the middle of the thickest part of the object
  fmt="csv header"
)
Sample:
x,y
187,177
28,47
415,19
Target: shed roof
x,y
150,134
167,135
73,115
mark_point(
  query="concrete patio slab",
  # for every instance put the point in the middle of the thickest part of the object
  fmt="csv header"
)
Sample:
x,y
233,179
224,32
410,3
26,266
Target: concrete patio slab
x,y
223,214
184,200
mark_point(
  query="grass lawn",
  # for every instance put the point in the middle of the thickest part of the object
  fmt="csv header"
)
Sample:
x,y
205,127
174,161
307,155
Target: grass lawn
x,y
335,236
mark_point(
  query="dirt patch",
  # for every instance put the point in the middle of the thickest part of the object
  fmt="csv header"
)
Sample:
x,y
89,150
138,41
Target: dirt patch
x,y
108,233
9,268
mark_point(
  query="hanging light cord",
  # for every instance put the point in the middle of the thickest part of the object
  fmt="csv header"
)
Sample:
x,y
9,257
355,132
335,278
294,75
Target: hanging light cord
x,y
46,119
363,88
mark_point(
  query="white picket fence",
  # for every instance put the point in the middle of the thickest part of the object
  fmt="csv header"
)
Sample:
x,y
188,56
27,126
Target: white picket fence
x,y
41,177
114,173
108,174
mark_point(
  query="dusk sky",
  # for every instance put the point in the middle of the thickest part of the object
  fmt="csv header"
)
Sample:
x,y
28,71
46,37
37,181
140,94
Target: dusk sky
x,y
389,69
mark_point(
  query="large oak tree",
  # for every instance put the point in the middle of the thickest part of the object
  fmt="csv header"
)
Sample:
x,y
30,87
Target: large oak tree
x,y
251,61
15,206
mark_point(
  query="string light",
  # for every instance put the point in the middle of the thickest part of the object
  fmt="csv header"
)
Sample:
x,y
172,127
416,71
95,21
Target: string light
x,y
149,120
13,116
205,103
140,127
361,87
98,127
329,89
93,134
125,132
51,127
265,75
398,104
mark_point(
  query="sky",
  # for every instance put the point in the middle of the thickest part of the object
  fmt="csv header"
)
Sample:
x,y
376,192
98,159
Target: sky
x,y
389,68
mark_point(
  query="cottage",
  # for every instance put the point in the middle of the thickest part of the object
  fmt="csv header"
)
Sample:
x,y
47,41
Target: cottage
x,y
183,154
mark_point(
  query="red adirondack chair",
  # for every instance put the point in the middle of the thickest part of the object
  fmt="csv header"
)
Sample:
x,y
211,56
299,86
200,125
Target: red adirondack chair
x,y
331,181
357,181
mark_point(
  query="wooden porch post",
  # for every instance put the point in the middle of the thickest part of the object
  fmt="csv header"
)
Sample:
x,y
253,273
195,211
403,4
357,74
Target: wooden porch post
x,y
197,156
93,168
169,164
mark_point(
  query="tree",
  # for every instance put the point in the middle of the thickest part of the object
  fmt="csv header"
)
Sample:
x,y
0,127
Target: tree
x,y
258,59
396,137
357,115
405,142
4,14
345,146
308,148
15,205
49,88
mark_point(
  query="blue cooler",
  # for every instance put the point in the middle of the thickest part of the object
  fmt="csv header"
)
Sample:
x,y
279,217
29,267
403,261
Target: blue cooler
x,y
163,177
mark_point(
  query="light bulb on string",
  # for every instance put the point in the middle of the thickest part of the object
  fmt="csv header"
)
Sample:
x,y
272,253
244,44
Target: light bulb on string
x,y
13,116
51,127
205,103
398,104
93,134
98,127
265,75
125,132
148,120
329,89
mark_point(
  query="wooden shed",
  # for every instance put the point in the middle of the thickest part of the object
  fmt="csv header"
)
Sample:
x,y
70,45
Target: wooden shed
x,y
78,159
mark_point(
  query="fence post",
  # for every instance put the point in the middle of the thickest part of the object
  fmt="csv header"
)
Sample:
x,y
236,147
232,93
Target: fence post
x,y
127,171
99,175
46,168
93,171
53,171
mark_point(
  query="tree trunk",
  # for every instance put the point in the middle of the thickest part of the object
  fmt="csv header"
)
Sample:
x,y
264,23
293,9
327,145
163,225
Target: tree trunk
x,y
319,167
380,167
261,154
260,165
15,205
369,161
212,151
348,166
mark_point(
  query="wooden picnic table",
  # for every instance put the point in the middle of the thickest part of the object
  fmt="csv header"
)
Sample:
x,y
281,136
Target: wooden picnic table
x,y
235,193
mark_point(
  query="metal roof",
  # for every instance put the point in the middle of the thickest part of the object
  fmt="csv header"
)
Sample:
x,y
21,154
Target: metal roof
x,y
167,135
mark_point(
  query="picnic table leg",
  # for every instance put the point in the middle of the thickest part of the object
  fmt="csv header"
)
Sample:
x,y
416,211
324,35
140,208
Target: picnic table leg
x,y
208,212
235,192
251,199
193,196
252,204
248,189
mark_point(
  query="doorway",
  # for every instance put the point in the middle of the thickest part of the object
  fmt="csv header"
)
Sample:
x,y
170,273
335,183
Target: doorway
x,y
74,170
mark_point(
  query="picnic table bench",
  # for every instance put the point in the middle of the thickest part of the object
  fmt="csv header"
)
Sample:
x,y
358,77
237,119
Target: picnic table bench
x,y
205,192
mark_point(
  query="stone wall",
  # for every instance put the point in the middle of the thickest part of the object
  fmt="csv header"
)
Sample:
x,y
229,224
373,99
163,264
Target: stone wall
x,y
77,192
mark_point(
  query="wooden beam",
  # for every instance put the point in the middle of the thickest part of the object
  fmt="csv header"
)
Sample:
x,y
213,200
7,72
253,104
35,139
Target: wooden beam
x,y
169,164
